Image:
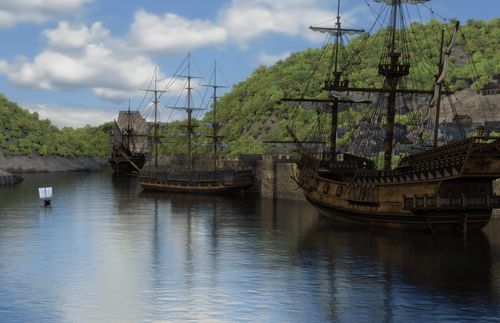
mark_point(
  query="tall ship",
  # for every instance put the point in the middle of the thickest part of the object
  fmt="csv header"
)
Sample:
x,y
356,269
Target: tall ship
x,y
213,177
441,186
131,143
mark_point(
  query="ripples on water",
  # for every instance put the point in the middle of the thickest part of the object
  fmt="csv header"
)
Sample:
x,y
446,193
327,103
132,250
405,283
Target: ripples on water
x,y
105,251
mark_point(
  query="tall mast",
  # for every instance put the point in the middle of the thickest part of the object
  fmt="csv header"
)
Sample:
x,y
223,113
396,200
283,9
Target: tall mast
x,y
438,102
215,125
129,126
156,121
337,84
189,111
156,135
392,70
335,103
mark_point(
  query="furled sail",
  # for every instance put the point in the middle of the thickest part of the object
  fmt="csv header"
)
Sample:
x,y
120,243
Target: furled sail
x,y
445,66
321,106
334,31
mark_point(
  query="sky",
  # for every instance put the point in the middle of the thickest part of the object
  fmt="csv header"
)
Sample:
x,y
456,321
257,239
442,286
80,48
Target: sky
x,y
79,62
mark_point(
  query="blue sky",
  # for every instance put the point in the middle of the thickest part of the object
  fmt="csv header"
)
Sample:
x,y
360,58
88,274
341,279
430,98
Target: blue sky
x,y
78,62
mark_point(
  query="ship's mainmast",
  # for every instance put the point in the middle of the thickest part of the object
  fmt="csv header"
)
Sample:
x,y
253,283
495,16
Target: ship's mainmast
x,y
393,69
156,125
189,110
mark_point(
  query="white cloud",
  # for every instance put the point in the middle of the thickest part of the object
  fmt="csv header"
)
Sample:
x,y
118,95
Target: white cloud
x,y
100,63
79,56
36,11
240,22
4,66
246,20
72,37
171,33
270,59
73,116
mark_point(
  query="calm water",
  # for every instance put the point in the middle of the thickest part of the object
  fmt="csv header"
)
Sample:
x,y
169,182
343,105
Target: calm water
x,y
107,252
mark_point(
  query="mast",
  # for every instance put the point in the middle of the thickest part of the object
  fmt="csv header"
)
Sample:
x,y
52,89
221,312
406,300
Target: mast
x,y
439,85
337,84
156,136
335,103
189,112
215,125
129,126
392,70
443,70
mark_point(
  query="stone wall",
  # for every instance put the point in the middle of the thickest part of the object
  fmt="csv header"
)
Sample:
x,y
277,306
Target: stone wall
x,y
276,178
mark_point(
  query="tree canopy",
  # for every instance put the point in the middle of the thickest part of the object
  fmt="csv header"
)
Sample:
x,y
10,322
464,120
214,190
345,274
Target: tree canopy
x,y
23,133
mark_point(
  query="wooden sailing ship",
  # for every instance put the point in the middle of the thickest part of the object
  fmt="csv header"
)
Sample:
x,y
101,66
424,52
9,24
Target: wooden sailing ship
x,y
442,187
131,143
210,180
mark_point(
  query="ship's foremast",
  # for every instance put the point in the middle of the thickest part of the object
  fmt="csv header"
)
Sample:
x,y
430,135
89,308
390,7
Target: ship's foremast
x,y
335,83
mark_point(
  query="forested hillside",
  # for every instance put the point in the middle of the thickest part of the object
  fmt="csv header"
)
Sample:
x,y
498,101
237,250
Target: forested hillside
x,y
252,111
23,133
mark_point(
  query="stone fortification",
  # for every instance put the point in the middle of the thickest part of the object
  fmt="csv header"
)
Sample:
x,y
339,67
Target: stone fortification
x,y
276,178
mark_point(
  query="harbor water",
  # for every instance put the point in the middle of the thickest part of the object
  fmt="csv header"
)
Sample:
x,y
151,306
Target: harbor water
x,y
107,252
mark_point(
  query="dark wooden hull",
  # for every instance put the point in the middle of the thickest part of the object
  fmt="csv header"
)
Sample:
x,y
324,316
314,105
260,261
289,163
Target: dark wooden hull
x,y
212,183
445,189
122,165
444,221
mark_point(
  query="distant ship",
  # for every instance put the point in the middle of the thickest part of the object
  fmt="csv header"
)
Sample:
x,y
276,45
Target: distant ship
x,y
131,143
444,187
212,179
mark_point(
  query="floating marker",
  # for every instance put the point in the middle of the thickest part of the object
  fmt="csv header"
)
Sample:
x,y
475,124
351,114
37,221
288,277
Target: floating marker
x,y
45,194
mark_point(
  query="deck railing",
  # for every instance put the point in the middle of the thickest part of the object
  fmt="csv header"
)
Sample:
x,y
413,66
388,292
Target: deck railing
x,y
451,202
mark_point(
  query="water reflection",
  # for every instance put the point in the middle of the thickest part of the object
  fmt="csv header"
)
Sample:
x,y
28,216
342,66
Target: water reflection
x,y
404,270
106,251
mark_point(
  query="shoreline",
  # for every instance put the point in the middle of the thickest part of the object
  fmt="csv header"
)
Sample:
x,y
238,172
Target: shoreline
x,y
12,166
27,164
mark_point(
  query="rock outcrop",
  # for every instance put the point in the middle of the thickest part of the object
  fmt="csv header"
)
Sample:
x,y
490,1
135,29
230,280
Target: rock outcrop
x,y
7,178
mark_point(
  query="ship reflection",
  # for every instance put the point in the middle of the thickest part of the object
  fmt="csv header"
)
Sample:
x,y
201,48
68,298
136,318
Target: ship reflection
x,y
458,268
216,239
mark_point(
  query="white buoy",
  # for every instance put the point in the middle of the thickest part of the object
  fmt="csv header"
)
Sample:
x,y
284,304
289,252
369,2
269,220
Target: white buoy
x,y
45,194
